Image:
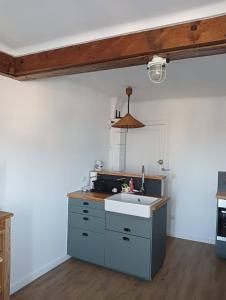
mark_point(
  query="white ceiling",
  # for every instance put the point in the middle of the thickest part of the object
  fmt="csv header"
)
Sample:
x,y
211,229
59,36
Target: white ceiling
x,y
30,25
191,78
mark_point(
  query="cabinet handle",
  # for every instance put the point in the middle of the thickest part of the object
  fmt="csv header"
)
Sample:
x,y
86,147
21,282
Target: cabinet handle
x,y
127,229
86,219
1,259
85,211
85,203
125,238
85,234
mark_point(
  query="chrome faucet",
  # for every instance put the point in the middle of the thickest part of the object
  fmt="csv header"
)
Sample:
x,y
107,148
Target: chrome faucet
x,y
142,182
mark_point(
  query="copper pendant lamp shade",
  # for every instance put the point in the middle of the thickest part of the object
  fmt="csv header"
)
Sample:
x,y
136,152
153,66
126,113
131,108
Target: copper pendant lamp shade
x,y
128,121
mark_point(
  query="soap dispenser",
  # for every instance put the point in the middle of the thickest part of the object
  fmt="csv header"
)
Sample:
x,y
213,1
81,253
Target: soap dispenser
x,y
131,185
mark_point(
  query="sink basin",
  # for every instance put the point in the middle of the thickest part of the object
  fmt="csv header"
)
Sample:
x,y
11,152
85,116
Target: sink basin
x,y
130,204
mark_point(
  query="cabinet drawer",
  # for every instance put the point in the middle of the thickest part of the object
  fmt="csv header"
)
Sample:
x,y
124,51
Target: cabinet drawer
x,y
86,245
86,203
86,222
128,254
129,224
87,211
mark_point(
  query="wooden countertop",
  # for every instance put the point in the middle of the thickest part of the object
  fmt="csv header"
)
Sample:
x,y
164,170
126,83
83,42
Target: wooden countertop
x,y
221,195
97,196
5,215
162,202
157,177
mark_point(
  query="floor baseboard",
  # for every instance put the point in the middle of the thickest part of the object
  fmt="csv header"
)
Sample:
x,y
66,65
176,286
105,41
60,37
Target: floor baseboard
x,y
191,237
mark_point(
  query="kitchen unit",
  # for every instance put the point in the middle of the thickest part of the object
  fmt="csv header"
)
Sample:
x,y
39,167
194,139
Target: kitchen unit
x,y
123,242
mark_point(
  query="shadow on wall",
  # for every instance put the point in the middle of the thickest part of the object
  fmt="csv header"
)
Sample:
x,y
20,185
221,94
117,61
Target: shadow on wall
x,y
24,236
2,184
189,78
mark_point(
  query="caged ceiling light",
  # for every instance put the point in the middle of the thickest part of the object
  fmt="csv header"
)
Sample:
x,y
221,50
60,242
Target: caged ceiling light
x,y
157,69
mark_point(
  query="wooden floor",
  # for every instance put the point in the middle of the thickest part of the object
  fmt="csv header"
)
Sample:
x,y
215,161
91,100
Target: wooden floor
x,y
190,272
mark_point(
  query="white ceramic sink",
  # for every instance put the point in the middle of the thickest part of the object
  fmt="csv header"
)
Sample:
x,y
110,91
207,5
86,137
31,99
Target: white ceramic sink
x,y
130,204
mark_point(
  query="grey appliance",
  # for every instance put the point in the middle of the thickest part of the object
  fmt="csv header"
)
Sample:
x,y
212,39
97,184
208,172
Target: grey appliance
x,y
221,217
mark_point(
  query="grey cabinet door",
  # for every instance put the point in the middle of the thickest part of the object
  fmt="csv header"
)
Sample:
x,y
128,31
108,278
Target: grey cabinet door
x,y
86,222
221,249
129,224
86,245
128,254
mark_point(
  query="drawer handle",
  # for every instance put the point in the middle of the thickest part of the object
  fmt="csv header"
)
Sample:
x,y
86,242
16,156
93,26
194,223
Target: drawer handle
x,y
85,211
125,238
85,203
85,234
1,259
86,219
127,229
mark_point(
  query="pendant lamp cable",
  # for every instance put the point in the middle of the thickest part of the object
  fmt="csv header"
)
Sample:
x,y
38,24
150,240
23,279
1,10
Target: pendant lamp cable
x,y
128,102
129,92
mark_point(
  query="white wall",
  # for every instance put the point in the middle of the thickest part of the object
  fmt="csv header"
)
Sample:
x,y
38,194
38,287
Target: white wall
x,y
197,147
51,132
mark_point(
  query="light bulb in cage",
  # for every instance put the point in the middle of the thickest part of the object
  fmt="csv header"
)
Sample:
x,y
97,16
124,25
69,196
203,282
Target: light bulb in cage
x,y
157,69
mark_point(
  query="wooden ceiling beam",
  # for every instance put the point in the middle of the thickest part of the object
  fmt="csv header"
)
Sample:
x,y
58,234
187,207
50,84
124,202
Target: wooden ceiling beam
x,y
191,39
7,65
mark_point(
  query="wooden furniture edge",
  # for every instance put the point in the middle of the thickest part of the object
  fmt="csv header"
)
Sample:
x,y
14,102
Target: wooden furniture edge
x,y
5,215
6,269
5,220
221,196
156,177
95,196
159,204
